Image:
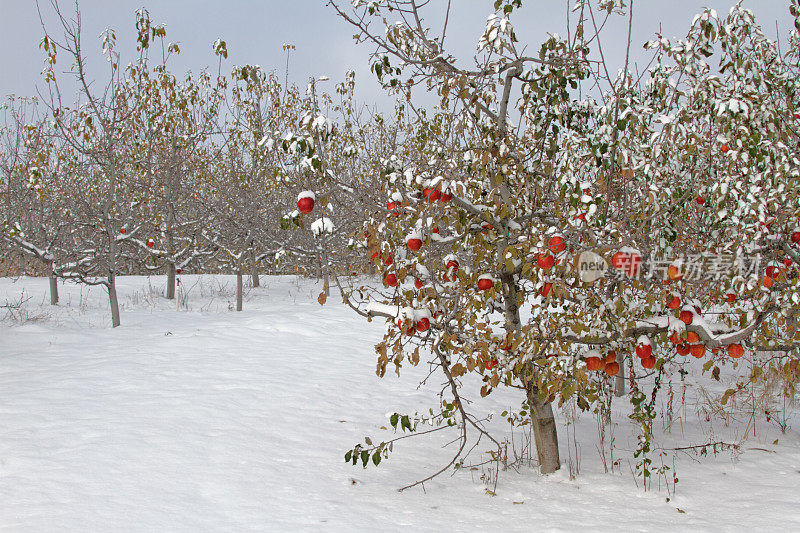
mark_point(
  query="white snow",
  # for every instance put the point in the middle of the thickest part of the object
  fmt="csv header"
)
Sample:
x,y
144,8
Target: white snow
x,y
306,194
191,417
322,225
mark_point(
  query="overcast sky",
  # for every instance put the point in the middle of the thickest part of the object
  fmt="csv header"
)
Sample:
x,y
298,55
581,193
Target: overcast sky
x,y
255,31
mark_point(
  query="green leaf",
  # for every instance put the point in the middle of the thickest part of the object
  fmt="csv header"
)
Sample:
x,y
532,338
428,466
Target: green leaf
x,y
393,420
348,456
376,458
365,458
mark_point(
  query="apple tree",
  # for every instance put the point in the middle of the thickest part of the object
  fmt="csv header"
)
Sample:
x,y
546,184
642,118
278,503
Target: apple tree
x,y
551,225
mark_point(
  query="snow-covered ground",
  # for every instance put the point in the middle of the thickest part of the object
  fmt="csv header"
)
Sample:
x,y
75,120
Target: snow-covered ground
x,y
198,418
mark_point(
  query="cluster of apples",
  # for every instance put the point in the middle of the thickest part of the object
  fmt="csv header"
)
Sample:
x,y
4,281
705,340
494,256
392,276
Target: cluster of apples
x,y
607,364
432,195
775,269
692,345
644,351
390,278
412,327
546,261
451,266
393,208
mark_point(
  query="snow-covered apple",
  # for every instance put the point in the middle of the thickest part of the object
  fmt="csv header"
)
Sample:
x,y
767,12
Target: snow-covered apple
x,y
305,202
485,282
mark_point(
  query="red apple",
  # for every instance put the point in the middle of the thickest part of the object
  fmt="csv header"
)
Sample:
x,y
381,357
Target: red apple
x,y
446,197
389,260
673,301
595,364
305,202
418,283
485,282
557,244
731,296
414,244
735,350
545,289
391,280
123,231
620,260
686,316
612,368
773,271
700,200
545,262
683,349
697,350
150,243
611,356
649,362
434,195
674,273
423,324
177,270
724,148
795,236
410,330
643,347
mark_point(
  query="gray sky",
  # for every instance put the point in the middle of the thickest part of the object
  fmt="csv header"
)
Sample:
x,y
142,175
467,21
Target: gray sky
x,y
255,31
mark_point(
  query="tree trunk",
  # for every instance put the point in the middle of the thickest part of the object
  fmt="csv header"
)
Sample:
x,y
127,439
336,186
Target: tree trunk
x,y
170,281
544,432
53,288
238,290
112,300
254,276
542,419
619,380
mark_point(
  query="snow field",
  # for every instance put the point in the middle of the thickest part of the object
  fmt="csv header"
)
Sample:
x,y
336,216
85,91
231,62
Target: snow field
x,y
197,418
